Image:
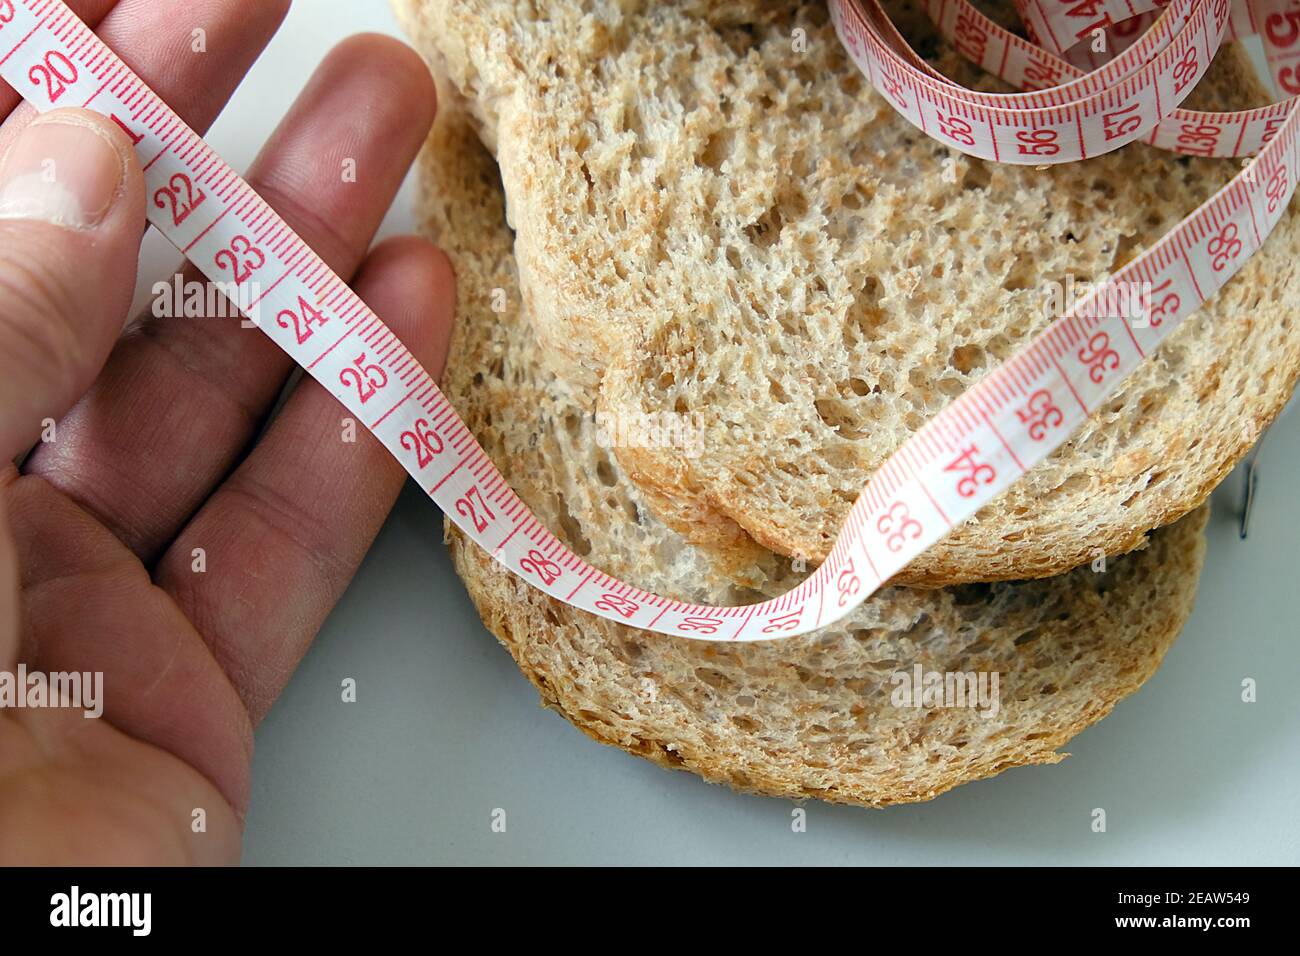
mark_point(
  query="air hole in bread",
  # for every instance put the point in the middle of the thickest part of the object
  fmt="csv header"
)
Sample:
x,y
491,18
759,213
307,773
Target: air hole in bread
x,y
717,150
1076,482
918,626
1103,187
966,358
571,529
858,387
841,458
978,176
1029,636
951,386
1125,249
1020,277
968,594
715,678
840,417
605,473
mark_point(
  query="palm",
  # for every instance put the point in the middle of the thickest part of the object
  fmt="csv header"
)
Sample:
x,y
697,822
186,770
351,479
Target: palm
x,y
93,791
149,541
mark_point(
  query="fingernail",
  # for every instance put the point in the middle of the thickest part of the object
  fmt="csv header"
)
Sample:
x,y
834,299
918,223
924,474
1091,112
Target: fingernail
x,y
61,170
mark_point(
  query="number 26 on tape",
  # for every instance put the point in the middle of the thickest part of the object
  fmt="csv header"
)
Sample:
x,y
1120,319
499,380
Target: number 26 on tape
x,y
424,441
848,583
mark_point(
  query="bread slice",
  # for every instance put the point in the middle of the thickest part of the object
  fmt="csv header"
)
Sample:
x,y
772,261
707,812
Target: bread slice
x,y
714,224
814,716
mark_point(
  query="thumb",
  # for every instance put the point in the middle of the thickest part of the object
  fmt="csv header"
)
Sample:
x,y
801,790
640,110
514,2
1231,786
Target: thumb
x,y
71,217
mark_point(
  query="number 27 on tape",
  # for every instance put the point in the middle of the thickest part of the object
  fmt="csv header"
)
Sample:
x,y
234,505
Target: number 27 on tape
x,y
472,505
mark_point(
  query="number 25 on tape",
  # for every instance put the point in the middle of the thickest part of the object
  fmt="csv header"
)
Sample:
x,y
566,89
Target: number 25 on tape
x,y
366,377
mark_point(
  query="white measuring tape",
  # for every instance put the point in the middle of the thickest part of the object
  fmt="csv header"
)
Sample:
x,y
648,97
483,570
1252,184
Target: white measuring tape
x,y
959,461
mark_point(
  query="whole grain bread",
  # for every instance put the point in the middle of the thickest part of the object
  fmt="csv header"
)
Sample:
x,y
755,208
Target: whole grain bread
x,y
815,716
719,219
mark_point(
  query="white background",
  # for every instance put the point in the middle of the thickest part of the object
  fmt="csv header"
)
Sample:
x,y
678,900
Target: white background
x,y
445,729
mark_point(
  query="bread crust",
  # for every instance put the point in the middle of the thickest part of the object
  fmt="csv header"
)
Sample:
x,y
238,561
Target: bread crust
x,y
876,275
808,717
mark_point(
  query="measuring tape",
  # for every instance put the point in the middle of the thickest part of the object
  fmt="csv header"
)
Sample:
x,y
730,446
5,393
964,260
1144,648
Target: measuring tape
x,y
1067,115
956,463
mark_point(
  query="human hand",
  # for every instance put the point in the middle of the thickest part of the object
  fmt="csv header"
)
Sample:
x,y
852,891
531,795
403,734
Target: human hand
x,y
152,455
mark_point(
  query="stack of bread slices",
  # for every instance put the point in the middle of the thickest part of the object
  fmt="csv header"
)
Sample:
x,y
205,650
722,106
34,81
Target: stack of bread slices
x,y
700,213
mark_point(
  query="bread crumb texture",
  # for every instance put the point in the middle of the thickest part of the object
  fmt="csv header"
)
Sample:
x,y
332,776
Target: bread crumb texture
x,y
808,717
718,218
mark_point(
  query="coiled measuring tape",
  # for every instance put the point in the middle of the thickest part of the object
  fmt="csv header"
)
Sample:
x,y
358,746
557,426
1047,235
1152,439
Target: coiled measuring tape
x,y
957,462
